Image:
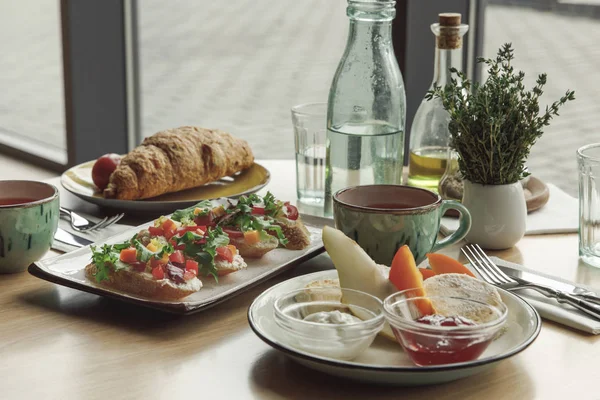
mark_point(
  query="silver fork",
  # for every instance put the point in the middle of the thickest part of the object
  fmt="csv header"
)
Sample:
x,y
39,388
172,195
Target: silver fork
x,y
490,273
82,224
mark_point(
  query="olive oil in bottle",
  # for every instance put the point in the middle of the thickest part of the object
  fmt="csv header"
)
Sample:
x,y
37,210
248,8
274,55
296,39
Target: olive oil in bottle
x,y
426,166
429,134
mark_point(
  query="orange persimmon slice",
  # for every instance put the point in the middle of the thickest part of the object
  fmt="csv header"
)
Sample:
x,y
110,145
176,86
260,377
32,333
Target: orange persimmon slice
x,y
404,274
442,264
427,273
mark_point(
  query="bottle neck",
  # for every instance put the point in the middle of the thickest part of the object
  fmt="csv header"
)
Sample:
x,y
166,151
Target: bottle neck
x,y
379,33
448,51
444,60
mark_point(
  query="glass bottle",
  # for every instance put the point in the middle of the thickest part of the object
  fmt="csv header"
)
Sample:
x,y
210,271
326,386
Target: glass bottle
x,y
429,135
366,110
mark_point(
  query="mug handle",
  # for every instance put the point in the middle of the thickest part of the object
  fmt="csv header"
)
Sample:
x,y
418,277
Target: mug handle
x,y
464,224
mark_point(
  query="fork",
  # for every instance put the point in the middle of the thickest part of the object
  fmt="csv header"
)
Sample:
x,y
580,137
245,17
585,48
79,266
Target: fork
x,y
82,224
490,273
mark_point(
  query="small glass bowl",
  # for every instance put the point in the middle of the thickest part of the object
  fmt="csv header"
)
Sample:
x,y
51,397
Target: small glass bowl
x,y
340,341
436,345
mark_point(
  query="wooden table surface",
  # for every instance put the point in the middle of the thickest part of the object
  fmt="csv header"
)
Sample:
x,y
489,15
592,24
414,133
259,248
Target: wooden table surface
x,y
59,343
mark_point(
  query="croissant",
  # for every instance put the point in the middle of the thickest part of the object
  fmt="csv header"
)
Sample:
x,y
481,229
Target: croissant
x,y
178,159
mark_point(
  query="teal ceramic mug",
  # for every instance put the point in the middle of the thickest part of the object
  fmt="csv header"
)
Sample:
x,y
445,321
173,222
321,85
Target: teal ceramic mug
x,y
382,218
29,213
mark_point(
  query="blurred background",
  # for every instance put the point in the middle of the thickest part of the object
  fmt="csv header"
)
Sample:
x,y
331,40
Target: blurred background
x,y
241,66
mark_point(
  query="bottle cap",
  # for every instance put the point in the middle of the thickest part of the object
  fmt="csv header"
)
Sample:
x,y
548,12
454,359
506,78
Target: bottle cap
x,y
449,19
450,36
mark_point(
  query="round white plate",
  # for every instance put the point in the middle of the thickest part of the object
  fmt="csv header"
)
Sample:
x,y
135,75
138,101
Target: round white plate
x,y
78,180
385,362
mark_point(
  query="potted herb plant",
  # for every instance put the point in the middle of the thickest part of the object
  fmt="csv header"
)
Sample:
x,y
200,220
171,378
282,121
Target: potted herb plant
x,y
492,129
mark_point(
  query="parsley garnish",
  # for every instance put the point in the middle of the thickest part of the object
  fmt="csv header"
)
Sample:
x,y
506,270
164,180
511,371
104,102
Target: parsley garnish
x,y
107,258
246,221
144,255
204,253
187,214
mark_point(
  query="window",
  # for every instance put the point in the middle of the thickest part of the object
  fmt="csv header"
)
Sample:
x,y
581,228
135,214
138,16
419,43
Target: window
x,y
32,111
239,67
560,41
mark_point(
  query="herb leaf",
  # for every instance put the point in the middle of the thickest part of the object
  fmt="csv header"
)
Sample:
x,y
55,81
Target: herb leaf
x,y
494,125
187,215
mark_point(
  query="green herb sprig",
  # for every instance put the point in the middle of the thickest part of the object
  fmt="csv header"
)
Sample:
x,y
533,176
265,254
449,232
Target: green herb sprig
x,y
494,125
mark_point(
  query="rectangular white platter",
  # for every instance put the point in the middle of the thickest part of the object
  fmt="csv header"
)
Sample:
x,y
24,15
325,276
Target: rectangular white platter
x,y
68,270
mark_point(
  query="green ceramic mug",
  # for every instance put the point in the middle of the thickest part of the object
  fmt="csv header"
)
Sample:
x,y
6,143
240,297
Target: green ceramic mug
x,y
382,218
29,213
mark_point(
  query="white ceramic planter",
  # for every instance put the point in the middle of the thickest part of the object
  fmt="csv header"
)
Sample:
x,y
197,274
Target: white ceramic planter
x,y
498,214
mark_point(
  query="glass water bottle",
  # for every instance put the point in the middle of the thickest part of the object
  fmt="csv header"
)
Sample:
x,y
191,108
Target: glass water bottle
x,y
366,111
429,135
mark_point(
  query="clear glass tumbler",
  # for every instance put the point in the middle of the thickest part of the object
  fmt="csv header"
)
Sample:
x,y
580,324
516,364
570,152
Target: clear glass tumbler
x,y
588,159
310,134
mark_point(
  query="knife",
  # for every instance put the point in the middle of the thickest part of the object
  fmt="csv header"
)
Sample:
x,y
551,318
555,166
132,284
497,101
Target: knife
x,y
68,238
529,277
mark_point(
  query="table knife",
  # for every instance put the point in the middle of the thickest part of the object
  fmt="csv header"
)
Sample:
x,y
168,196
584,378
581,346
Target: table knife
x,y
530,277
68,238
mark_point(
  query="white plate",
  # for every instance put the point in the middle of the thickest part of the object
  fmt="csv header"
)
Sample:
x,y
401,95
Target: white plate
x,y
68,270
385,362
78,180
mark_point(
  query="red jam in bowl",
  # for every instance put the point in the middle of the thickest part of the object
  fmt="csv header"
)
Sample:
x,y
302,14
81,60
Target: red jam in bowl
x,y
436,348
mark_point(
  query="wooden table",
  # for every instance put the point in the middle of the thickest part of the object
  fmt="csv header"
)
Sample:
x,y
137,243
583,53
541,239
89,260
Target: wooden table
x,y
59,343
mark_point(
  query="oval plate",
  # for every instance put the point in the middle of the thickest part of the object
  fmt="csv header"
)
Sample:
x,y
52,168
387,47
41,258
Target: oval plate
x,y
78,180
385,362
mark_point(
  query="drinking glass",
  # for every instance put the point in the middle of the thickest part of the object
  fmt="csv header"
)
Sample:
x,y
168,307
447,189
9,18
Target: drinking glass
x,y
310,133
588,159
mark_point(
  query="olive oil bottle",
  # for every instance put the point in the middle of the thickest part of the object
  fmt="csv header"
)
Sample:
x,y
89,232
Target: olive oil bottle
x,y
429,135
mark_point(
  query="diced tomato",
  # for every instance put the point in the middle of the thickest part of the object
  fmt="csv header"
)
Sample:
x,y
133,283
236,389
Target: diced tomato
x,y
292,211
225,253
251,237
154,231
201,228
187,275
169,228
191,265
206,220
158,272
177,246
177,257
139,266
258,210
233,233
128,255
181,231
158,263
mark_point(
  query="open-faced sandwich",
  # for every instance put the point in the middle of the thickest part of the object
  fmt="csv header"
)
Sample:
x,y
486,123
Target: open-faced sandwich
x,y
272,222
254,224
170,161
164,261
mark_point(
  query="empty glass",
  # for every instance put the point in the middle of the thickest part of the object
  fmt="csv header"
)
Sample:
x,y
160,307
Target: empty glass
x,y
588,159
310,132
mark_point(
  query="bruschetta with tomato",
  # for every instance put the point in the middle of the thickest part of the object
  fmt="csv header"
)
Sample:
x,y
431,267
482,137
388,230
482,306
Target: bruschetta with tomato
x,y
164,261
261,224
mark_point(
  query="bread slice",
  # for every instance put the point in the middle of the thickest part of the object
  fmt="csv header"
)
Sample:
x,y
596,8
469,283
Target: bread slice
x,y
226,267
295,232
463,286
256,250
143,284
331,290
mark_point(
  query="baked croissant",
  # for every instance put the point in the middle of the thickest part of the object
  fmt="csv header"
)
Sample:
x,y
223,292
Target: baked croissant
x,y
178,159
